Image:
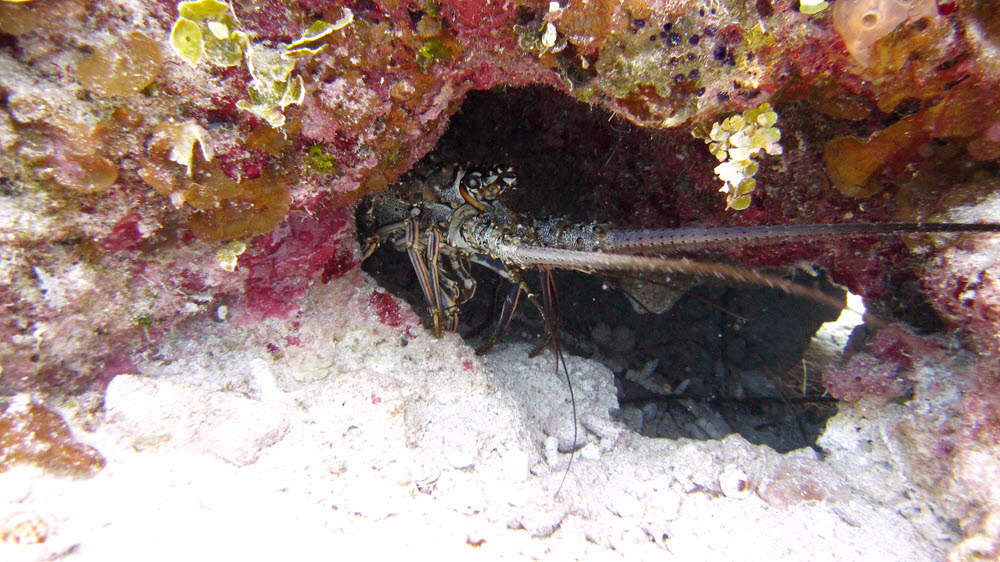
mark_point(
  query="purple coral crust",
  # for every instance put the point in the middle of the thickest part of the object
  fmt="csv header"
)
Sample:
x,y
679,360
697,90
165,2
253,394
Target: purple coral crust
x,y
883,370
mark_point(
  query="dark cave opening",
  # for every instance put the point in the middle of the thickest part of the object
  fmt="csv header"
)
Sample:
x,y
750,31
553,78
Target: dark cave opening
x,y
721,359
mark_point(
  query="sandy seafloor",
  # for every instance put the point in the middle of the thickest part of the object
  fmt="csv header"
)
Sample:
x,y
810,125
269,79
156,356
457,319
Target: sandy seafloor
x,y
348,438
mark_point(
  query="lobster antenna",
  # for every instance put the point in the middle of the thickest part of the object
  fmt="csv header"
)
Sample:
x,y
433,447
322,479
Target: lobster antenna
x,y
589,262
600,238
639,240
550,301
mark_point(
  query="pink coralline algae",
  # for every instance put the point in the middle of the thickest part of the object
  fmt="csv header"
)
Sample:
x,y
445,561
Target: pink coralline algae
x,y
882,371
794,481
865,376
300,250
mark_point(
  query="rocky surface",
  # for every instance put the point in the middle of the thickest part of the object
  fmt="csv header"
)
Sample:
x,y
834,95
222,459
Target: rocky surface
x,y
219,448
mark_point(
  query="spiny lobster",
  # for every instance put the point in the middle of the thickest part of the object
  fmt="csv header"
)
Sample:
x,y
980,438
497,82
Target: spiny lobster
x,y
451,216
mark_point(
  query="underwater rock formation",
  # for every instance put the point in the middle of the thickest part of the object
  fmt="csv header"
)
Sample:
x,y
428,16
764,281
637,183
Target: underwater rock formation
x,y
164,160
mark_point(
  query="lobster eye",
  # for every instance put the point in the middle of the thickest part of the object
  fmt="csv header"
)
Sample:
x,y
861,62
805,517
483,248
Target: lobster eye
x,y
473,182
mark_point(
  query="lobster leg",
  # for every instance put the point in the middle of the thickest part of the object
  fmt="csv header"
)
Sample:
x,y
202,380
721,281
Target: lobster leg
x,y
550,312
375,240
371,244
430,282
458,287
506,313
433,254
547,309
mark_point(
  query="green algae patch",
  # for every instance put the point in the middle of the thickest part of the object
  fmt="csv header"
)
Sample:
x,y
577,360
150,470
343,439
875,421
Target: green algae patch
x,y
736,142
188,41
206,29
320,161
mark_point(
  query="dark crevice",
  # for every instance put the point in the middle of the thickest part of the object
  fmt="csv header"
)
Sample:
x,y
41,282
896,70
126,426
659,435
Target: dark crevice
x,y
722,358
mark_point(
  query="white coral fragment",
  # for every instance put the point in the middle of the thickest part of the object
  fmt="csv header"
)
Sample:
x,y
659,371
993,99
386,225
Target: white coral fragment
x,y
549,35
735,483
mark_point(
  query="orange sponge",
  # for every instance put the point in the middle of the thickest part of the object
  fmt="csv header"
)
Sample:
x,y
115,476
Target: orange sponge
x,y
863,22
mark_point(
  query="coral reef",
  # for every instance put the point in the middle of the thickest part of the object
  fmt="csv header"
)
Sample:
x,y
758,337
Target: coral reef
x,y
238,120
164,160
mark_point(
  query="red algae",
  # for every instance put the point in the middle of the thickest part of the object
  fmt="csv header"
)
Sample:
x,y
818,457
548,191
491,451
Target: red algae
x,y
386,308
285,260
125,235
338,266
